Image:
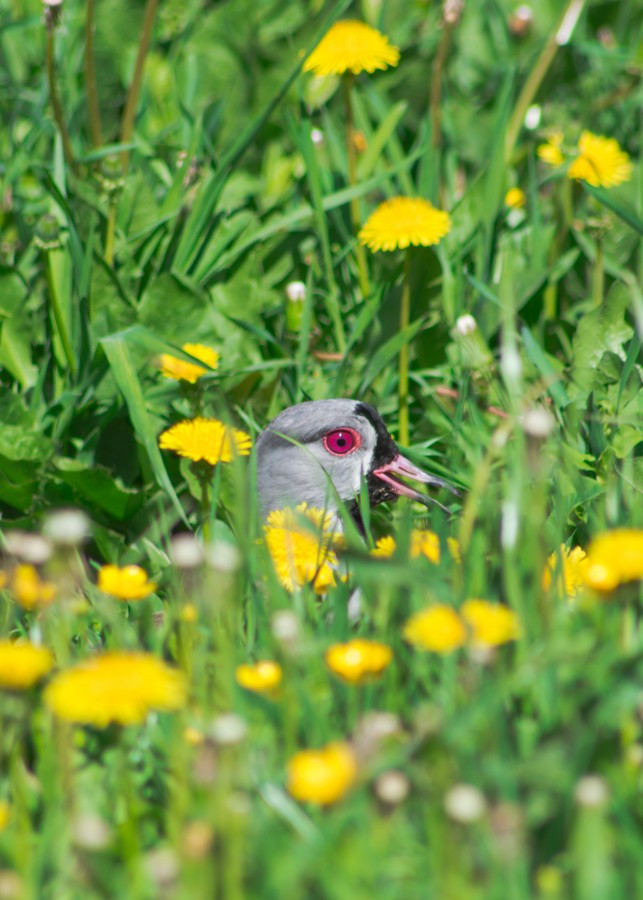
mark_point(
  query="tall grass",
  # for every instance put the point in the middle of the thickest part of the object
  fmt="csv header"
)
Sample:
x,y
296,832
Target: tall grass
x,y
153,195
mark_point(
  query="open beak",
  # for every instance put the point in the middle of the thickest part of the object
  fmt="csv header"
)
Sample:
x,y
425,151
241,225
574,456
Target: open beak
x,y
403,468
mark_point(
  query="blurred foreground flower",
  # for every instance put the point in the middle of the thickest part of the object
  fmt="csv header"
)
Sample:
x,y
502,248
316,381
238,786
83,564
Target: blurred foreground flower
x,y
515,198
423,543
117,687
600,162
322,776
403,222
29,590
437,628
182,370
551,152
126,583
566,570
205,439
614,558
359,660
491,624
351,46
5,814
441,629
300,544
263,677
23,664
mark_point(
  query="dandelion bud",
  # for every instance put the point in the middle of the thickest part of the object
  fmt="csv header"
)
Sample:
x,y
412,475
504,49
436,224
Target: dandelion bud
x,y
32,548
372,730
222,557
520,22
67,527
392,788
296,294
464,803
510,365
52,10
186,552
591,791
162,866
227,730
474,351
605,37
452,12
198,838
538,423
465,325
90,832
110,175
533,117
11,885
285,627
47,235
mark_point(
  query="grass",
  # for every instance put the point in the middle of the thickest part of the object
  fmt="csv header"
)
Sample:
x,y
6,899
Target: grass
x,y
156,196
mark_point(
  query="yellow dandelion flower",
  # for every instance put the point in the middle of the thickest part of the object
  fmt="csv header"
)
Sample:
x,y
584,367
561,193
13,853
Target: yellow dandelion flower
x,y
600,162
491,624
359,660
437,628
351,46
126,583
263,677
23,664
551,152
117,687
3,579
205,440
423,543
402,222
515,198
30,591
567,577
300,544
614,558
182,370
322,776
5,814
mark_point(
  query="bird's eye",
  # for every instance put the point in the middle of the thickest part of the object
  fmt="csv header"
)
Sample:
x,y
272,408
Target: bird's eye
x,y
341,441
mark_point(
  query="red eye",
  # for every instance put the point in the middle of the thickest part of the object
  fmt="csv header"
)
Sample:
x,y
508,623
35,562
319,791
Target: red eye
x,y
341,441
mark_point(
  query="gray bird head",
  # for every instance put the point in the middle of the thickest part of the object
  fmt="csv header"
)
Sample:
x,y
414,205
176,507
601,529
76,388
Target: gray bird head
x,y
339,441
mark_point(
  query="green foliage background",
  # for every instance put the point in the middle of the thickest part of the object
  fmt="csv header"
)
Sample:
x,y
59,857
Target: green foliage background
x,y
226,200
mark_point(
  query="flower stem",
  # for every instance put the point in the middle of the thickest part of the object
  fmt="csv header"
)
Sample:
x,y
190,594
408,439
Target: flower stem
x,y
205,505
53,93
127,127
598,275
110,233
403,379
559,37
362,268
93,108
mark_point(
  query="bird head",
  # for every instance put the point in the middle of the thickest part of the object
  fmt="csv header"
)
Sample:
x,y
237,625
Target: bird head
x,y
340,442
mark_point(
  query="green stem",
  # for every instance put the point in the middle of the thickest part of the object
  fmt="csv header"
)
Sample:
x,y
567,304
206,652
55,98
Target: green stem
x,y
403,381
205,505
559,37
53,95
598,275
129,115
58,316
93,108
110,233
360,251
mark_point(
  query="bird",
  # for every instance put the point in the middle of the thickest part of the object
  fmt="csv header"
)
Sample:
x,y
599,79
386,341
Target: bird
x,y
321,450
